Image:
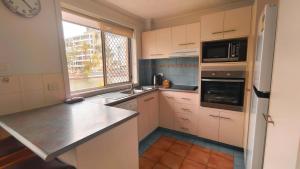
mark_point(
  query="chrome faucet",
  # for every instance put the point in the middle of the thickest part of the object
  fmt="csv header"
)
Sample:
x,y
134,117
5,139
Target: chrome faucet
x,y
132,86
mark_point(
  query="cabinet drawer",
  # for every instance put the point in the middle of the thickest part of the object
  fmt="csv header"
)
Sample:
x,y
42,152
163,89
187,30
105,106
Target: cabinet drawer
x,y
183,123
184,109
186,98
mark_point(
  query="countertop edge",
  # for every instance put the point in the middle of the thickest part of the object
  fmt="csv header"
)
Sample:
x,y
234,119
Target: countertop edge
x,y
51,156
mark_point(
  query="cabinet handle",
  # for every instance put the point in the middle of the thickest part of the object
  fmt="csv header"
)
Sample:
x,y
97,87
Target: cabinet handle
x,y
214,116
227,118
148,99
170,97
188,110
231,30
184,119
185,98
217,32
268,119
158,54
183,44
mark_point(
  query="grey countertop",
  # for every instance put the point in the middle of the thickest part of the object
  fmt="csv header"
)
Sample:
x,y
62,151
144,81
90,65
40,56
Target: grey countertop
x,y
54,130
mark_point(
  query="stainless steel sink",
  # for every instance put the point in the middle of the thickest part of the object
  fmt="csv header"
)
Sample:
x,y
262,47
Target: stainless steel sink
x,y
134,91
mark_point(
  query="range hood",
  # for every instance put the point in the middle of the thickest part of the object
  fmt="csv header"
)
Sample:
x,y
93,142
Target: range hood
x,y
185,53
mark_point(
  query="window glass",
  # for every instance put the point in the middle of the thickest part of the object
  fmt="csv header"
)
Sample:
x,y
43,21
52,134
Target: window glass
x,y
84,56
117,59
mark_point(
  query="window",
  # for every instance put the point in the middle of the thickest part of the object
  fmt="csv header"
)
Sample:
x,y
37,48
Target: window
x,y
96,56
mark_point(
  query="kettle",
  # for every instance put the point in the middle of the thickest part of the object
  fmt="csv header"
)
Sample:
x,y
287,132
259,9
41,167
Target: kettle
x,y
157,79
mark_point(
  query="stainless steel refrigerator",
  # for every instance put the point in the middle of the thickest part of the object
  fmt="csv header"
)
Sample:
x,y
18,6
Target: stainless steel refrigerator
x,y
261,87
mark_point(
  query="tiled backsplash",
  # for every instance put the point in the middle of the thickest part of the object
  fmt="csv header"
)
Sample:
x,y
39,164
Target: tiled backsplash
x,y
24,92
180,71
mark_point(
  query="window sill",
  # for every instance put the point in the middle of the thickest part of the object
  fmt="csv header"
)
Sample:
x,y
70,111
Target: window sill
x,y
95,92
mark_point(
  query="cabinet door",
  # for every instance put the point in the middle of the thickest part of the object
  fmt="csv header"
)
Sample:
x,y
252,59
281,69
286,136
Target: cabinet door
x,y
231,128
212,26
166,112
151,102
208,123
148,117
142,119
179,37
237,22
193,35
148,44
163,43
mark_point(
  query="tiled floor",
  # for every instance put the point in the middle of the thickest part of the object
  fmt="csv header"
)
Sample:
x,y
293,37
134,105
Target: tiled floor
x,y
169,148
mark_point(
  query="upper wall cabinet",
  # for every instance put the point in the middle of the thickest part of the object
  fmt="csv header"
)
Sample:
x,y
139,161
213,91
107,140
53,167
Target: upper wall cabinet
x,y
225,25
186,36
156,44
237,22
212,26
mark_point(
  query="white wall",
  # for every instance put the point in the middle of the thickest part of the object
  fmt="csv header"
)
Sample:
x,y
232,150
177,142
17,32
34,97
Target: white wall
x,y
282,143
30,45
30,61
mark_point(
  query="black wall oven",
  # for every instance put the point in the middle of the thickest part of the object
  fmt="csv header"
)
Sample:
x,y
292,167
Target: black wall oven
x,y
223,89
225,51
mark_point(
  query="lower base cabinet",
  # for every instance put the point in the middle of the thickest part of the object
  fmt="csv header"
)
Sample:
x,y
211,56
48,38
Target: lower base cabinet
x,y
148,114
224,126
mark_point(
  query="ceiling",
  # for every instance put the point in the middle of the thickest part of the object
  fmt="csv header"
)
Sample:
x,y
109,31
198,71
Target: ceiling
x,y
154,9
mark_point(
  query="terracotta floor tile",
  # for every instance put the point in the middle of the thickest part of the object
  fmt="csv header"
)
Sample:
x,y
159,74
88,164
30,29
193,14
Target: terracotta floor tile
x,y
184,143
145,163
154,154
219,162
171,160
198,155
164,143
188,164
201,148
180,149
160,166
224,155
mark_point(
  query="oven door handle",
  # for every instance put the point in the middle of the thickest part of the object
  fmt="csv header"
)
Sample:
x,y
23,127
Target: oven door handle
x,y
223,80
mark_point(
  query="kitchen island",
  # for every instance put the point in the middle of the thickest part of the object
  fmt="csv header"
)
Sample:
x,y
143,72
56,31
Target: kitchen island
x,y
88,135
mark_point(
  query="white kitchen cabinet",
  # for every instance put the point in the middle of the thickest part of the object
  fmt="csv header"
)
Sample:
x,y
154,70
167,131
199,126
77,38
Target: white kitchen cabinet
x,y
231,127
237,22
148,117
208,126
166,110
212,26
233,23
148,44
186,37
221,125
178,111
156,44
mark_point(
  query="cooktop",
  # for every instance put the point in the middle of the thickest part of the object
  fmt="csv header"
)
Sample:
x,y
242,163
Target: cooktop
x,y
184,87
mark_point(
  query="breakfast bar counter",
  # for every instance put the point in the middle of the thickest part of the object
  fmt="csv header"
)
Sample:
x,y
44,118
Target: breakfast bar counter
x,y
52,131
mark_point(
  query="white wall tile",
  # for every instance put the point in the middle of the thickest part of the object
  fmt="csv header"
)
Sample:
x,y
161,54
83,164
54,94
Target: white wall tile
x,y
53,88
31,82
10,103
33,99
10,86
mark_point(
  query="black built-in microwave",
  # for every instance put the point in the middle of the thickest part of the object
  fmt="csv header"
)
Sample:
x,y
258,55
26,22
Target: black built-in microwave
x,y
234,50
